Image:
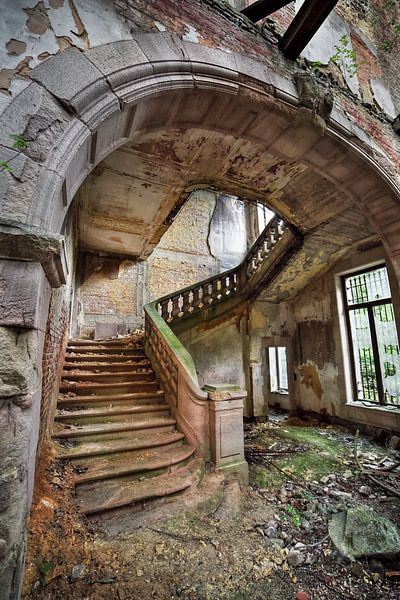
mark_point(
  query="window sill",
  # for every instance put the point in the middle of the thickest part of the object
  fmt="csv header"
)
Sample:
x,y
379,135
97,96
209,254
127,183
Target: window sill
x,y
377,407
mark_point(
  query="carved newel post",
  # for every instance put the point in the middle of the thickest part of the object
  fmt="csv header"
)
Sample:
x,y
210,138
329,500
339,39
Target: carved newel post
x,y
226,430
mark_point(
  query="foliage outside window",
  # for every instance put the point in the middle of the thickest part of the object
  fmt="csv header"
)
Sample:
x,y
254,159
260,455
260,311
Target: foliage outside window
x,y
372,334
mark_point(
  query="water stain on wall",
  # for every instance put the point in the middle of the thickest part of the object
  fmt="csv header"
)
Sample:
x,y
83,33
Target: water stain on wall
x,y
310,378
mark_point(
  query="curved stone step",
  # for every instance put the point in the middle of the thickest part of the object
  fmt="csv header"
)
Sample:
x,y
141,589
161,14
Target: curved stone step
x,y
101,430
149,464
110,342
128,447
96,357
145,384
116,377
123,350
111,413
107,366
105,496
110,400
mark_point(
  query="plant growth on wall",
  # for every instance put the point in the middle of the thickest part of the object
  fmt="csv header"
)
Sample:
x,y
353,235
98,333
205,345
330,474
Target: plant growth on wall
x,y
20,144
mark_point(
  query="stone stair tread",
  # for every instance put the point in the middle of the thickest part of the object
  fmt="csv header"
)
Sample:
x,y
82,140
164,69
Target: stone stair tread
x,y
110,411
87,449
85,375
109,342
104,428
91,366
104,350
112,398
93,386
151,460
113,495
94,356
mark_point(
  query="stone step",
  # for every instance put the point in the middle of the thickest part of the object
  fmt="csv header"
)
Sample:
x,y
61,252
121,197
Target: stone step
x,y
111,400
123,350
149,464
128,448
134,374
95,357
127,365
103,496
109,342
107,389
111,413
103,430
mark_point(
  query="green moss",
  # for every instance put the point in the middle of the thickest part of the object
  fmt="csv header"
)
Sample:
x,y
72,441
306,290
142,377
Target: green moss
x,y
327,454
261,477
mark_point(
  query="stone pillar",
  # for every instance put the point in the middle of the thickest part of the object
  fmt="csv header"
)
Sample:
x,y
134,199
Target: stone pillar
x,y
31,263
226,430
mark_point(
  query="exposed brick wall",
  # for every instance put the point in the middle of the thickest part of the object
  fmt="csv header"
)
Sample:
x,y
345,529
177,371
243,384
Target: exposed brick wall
x,y
53,357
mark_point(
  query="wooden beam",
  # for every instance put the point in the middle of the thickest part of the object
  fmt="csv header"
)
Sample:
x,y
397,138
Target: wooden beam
x,y
262,8
305,25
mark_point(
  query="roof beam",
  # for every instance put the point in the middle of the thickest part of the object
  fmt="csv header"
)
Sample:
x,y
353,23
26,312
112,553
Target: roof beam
x,y
304,26
262,8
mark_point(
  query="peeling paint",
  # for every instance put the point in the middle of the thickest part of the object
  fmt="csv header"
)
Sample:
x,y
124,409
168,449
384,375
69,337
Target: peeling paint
x,y
15,47
310,378
38,21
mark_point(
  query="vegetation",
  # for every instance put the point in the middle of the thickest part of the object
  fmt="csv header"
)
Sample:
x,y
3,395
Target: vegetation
x,y
20,144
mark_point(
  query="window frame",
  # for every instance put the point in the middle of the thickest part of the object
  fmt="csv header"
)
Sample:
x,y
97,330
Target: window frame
x,y
279,388
369,306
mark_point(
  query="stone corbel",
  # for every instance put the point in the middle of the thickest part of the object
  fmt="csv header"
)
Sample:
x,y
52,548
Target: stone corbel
x,y
25,243
226,430
315,100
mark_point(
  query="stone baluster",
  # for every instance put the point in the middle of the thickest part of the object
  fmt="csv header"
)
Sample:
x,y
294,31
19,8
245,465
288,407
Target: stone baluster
x,y
200,297
190,298
180,304
209,293
169,310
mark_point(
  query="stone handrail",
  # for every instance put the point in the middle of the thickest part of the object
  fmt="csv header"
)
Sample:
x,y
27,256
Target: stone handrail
x,y
172,362
176,370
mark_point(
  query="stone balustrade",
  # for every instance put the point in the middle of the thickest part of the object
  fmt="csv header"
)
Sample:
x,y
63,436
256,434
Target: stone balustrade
x,y
235,282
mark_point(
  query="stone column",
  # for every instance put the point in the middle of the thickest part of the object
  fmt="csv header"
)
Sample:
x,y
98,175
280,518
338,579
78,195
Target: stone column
x,y
31,264
226,430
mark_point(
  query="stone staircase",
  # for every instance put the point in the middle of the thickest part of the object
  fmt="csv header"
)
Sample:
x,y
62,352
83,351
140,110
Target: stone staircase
x,y
114,425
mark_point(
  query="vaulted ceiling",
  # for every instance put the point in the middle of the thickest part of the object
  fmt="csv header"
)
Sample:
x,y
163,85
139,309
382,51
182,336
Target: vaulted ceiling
x,y
126,200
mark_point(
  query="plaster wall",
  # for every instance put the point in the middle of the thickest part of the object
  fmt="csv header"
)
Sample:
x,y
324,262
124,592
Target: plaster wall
x,y
218,352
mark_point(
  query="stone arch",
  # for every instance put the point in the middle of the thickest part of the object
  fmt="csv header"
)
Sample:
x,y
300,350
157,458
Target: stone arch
x,y
85,105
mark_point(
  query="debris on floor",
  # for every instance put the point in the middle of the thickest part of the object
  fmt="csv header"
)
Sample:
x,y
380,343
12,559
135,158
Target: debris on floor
x,y
270,540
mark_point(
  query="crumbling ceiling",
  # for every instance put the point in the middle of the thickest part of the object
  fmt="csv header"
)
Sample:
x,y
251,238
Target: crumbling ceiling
x,y
126,200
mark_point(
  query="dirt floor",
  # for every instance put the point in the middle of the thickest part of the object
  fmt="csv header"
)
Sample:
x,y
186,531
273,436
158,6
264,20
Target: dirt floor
x,y
266,541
